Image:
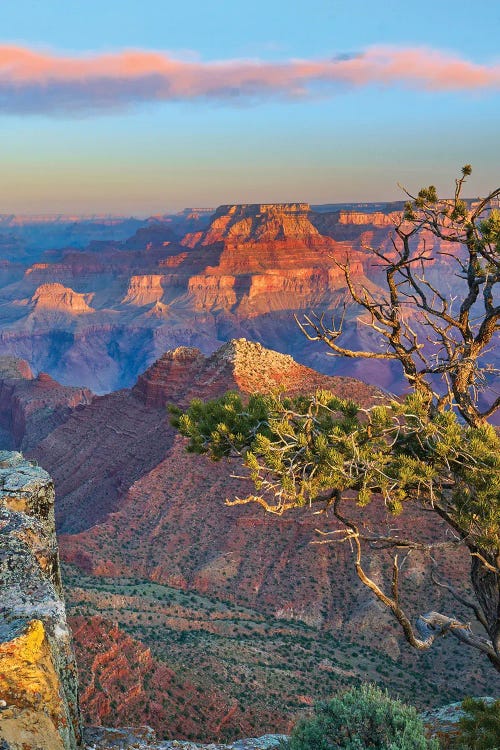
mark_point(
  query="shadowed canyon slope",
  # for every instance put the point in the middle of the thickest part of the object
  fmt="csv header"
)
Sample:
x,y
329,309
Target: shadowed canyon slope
x,y
98,316
205,599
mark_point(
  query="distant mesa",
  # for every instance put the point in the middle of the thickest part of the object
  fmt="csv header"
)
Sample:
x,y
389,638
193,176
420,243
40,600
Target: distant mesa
x,y
37,267
191,212
258,209
59,298
256,222
377,218
156,234
144,290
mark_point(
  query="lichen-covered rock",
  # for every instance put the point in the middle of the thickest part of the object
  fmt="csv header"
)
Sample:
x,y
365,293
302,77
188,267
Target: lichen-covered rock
x,y
443,721
144,738
38,679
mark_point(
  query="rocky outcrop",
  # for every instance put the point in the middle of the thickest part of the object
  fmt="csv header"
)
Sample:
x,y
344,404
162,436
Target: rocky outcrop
x,y
144,290
38,678
31,407
377,218
58,298
166,380
257,222
185,373
144,738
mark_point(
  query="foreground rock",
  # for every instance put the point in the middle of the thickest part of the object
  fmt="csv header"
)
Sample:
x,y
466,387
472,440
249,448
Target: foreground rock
x,y
144,738
38,679
443,722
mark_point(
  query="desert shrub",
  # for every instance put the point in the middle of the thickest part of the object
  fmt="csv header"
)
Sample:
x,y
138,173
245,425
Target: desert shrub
x,y
363,717
479,729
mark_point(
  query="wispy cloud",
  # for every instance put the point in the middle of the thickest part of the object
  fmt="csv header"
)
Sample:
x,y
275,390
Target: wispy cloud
x,y
42,82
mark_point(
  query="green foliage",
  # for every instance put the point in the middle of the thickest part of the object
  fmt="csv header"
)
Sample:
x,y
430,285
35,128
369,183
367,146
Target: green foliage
x,y
426,195
222,427
490,230
480,727
459,211
363,717
481,236
409,213
297,450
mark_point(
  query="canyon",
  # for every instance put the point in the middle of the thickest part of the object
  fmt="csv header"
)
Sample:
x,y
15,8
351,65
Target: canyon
x,y
98,313
174,597
39,680
207,623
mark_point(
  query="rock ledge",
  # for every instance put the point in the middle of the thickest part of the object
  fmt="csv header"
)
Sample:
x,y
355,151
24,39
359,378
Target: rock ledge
x,y
38,678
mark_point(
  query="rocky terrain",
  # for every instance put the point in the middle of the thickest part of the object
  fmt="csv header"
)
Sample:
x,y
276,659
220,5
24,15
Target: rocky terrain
x,y
38,677
98,315
174,597
31,407
39,708
122,678
99,738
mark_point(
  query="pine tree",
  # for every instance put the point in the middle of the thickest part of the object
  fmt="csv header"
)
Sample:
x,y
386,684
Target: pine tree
x,y
434,449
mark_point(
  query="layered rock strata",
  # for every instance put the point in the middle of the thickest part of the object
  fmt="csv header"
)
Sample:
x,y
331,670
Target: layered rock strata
x,y
31,407
144,290
98,316
38,678
57,297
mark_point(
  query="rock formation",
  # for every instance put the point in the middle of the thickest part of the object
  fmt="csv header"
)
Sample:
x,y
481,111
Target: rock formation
x,y
257,222
203,599
31,407
377,218
58,298
144,290
98,316
247,366
38,677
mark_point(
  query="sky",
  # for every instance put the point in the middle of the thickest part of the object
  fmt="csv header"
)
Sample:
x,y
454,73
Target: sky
x,y
144,107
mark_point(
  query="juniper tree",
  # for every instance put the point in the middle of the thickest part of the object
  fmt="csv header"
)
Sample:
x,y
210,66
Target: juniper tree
x,y
433,449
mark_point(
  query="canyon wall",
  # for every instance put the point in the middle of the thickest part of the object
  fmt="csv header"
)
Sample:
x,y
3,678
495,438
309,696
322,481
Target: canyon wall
x,y
38,676
98,317
173,596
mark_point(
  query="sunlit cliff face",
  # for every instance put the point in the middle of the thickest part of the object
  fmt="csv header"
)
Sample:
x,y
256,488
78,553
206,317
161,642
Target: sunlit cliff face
x,y
98,317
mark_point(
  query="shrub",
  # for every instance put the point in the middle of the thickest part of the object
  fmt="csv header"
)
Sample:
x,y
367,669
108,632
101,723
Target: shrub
x,y
363,717
480,727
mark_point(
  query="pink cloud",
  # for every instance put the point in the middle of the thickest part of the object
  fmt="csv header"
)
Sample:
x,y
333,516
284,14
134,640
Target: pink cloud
x,y
32,81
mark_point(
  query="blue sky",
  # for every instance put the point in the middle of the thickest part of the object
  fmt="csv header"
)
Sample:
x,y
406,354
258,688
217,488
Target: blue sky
x,y
339,143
